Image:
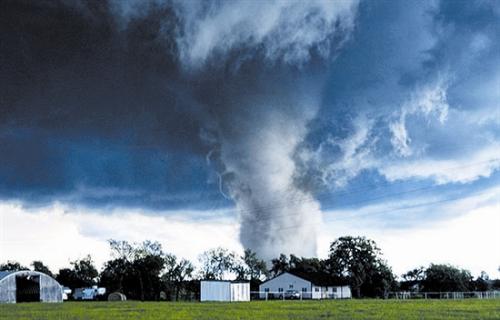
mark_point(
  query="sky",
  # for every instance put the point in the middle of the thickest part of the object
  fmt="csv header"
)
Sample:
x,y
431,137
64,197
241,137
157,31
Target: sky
x,y
273,125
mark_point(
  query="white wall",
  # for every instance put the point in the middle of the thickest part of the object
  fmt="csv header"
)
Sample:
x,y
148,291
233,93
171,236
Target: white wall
x,y
284,281
337,292
240,291
319,292
224,291
215,291
346,292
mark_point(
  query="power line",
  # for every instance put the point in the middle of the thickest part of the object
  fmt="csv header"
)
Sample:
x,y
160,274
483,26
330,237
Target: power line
x,y
389,195
310,199
386,211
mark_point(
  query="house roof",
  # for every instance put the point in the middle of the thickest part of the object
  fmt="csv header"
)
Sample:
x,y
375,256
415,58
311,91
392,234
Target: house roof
x,y
319,278
316,278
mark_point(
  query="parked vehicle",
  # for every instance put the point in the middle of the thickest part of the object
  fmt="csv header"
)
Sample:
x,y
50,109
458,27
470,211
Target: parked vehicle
x,y
292,294
93,293
66,293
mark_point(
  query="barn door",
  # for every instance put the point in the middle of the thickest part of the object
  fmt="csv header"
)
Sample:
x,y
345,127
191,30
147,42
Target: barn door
x,y
27,288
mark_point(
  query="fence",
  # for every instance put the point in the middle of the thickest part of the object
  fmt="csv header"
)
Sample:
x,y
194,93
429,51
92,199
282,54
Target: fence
x,y
297,295
403,295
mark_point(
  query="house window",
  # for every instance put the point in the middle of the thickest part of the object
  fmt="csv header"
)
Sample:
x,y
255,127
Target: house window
x,y
266,289
304,289
290,286
316,289
280,289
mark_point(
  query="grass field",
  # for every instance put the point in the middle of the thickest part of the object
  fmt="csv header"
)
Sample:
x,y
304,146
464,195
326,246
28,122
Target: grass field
x,y
333,309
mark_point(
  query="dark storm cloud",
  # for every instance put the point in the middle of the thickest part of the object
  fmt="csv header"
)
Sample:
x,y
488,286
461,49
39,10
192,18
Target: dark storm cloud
x,y
69,69
81,94
97,91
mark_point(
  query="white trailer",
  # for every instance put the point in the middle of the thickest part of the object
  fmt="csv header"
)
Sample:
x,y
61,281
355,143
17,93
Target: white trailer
x,y
221,290
89,293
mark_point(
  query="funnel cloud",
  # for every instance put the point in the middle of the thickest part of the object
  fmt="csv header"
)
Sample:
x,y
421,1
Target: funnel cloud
x,y
262,67
256,69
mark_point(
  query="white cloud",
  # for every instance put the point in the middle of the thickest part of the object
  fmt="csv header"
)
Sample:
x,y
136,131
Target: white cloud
x,y
355,154
400,139
469,240
430,100
285,30
480,163
59,234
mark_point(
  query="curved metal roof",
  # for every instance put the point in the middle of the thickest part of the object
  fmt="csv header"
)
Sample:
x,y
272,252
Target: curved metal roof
x,y
5,274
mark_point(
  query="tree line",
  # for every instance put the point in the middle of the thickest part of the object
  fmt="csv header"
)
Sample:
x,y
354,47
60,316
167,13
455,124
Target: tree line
x,y
143,271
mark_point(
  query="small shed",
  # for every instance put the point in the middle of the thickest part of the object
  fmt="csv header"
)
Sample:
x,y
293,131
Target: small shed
x,y
29,286
221,290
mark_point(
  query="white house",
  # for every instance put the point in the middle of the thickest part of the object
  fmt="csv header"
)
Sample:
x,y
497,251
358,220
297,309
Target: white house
x,y
221,290
309,285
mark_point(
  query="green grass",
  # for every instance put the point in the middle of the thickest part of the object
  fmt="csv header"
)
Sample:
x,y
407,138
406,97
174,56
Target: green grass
x,y
332,309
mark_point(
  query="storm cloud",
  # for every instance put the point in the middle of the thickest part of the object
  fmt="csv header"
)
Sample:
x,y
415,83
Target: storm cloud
x,y
101,95
256,106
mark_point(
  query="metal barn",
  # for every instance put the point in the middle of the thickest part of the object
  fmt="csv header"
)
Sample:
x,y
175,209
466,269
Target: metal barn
x,y
28,286
220,290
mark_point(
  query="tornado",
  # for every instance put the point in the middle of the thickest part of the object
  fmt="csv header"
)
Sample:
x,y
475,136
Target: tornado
x,y
258,68
256,72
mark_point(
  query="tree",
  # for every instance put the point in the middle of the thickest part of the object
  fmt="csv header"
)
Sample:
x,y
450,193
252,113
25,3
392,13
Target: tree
x,y
148,263
118,272
175,275
280,265
416,274
412,280
482,283
40,267
12,266
443,277
250,267
121,250
135,269
85,271
115,274
68,277
217,264
380,281
82,274
359,260
294,263
306,264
